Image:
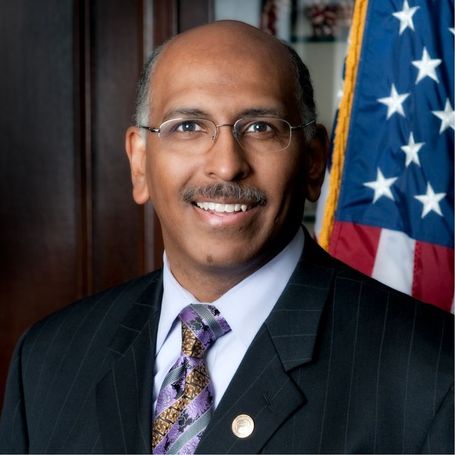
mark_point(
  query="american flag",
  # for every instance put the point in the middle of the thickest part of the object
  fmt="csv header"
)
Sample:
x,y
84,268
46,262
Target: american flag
x,y
389,203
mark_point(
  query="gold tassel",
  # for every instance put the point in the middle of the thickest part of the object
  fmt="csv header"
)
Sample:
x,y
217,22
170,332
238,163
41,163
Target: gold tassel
x,y
344,117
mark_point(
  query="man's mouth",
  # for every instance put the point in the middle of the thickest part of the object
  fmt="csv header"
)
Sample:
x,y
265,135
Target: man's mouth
x,y
225,197
221,208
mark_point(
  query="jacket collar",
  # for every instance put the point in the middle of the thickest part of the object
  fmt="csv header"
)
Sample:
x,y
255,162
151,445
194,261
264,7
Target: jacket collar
x,y
294,322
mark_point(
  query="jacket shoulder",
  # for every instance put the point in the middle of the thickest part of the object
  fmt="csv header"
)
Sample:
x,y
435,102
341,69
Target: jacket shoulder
x,y
92,320
394,323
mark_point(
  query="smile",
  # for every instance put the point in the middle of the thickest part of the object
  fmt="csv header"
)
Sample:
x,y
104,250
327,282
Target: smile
x,y
221,208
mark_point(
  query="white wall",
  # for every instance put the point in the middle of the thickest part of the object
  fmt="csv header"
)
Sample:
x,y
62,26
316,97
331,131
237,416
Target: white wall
x,y
241,10
325,61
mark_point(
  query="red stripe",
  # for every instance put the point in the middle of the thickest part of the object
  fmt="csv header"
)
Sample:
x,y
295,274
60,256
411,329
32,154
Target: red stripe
x,y
433,274
355,244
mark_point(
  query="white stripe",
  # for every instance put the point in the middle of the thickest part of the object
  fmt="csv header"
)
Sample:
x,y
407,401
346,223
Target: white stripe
x,y
394,262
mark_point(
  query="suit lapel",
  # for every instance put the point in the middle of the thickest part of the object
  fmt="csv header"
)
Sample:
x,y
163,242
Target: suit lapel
x,y
124,395
260,389
263,387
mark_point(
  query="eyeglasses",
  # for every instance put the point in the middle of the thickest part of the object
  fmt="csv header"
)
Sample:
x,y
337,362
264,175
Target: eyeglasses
x,y
197,135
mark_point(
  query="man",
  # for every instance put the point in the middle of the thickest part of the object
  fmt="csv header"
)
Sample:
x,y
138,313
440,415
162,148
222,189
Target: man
x,y
304,355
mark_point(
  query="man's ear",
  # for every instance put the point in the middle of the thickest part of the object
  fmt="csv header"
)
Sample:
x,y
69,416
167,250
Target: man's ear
x,y
316,153
135,146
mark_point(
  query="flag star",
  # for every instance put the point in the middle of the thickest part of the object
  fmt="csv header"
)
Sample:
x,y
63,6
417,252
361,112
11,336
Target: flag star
x,y
381,186
405,16
430,201
411,150
447,117
394,102
427,66
452,30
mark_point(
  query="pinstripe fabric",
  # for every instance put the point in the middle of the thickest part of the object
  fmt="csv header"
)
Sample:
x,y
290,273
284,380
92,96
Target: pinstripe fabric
x,y
348,366
59,364
342,364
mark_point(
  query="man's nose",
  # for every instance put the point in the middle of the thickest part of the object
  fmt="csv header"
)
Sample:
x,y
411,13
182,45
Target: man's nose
x,y
226,160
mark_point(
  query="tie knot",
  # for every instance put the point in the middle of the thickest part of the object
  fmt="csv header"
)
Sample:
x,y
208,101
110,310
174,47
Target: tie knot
x,y
201,326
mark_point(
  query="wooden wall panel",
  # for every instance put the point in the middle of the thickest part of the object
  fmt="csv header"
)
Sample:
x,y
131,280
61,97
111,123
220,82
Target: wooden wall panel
x,y
39,206
68,225
194,13
118,236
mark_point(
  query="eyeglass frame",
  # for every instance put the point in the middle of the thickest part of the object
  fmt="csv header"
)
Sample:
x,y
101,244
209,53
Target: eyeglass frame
x,y
157,130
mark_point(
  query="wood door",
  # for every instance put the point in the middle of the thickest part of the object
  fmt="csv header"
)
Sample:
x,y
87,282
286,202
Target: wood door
x,y
68,225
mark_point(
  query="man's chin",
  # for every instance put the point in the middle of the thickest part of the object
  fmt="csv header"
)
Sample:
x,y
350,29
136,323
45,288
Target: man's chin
x,y
232,263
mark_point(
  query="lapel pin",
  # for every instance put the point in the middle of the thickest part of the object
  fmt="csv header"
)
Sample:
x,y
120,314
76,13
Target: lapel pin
x,y
242,426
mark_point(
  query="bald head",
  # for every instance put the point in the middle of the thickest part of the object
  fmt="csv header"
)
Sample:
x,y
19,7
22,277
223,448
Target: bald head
x,y
230,44
222,35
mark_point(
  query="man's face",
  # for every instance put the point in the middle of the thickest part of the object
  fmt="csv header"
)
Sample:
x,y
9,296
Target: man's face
x,y
223,84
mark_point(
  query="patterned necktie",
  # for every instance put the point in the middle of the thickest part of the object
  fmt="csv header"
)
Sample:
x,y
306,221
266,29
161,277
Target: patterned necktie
x,y
185,401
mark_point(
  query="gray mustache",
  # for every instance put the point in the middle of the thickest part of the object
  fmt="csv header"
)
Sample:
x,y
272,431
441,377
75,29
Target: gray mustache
x,y
231,190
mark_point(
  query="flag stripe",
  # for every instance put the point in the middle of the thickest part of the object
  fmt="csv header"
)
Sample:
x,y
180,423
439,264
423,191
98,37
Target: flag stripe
x,y
430,286
421,269
394,263
349,234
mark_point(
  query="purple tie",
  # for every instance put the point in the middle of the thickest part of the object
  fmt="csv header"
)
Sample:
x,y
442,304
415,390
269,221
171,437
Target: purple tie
x,y
185,401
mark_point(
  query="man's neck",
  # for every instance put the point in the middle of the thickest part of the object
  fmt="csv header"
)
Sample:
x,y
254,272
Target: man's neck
x,y
208,283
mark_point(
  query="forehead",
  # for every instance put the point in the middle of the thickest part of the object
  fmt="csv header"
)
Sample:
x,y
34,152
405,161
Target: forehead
x,y
225,72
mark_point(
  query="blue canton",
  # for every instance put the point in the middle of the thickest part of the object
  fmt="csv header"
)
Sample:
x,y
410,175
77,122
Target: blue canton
x,y
399,158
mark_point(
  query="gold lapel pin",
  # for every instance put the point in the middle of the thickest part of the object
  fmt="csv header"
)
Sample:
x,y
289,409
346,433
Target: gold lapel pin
x,y
243,426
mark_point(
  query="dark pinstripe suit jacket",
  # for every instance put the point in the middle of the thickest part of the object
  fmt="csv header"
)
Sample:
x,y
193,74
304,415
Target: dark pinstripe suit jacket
x,y
342,364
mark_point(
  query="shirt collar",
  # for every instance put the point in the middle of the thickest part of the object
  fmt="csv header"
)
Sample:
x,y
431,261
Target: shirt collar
x,y
261,290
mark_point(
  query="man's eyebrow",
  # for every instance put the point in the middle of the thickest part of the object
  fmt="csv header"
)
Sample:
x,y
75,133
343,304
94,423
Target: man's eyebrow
x,y
185,112
261,111
198,113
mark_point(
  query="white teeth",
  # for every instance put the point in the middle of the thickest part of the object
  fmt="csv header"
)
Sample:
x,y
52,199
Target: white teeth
x,y
222,208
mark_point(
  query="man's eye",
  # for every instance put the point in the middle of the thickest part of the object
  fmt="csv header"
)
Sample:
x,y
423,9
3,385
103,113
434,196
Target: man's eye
x,y
258,127
188,127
